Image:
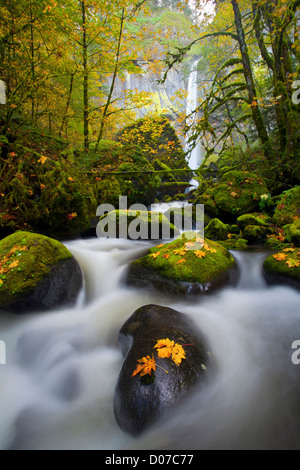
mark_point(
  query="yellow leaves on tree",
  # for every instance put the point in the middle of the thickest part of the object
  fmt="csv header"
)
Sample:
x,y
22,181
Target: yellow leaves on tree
x,y
168,349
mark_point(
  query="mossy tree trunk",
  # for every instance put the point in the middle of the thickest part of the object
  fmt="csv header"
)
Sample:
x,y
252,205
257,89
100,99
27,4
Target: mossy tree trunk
x,y
253,97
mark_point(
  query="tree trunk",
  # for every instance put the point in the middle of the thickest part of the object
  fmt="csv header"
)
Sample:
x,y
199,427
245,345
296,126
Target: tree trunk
x,y
256,114
116,69
86,115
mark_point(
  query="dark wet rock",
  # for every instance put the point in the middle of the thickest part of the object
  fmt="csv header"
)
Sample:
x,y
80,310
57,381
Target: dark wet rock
x,y
140,401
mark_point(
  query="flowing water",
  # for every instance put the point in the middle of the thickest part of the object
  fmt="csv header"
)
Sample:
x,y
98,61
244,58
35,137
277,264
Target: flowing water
x,y
57,388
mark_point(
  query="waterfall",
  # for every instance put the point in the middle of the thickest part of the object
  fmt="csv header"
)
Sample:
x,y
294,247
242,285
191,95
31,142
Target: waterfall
x,y
195,155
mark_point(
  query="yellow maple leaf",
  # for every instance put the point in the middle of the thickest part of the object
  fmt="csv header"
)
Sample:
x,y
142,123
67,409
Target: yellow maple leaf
x,y
292,263
181,252
155,255
169,349
233,194
209,249
146,366
43,160
289,250
280,256
200,254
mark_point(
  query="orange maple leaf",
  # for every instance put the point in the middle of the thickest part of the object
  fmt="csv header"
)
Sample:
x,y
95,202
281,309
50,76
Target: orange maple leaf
x,y
181,261
293,263
146,366
233,194
167,256
280,256
14,264
168,349
200,254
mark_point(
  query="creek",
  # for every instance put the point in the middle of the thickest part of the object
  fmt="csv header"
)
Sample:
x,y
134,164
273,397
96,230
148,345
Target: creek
x,y
57,387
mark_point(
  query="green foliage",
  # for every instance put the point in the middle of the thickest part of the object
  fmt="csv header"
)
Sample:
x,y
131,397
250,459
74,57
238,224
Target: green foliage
x,y
44,194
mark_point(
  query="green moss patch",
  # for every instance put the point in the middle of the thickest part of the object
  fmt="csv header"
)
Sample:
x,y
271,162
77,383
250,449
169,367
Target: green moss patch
x,y
239,192
188,260
285,263
288,208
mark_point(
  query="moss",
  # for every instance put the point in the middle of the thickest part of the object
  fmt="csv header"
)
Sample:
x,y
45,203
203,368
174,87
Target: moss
x,y
292,233
239,244
187,260
25,260
239,192
257,234
257,219
288,208
284,264
143,222
217,230
44,194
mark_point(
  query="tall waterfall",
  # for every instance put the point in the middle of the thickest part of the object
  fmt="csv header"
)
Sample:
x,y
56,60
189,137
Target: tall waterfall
x,y
195,155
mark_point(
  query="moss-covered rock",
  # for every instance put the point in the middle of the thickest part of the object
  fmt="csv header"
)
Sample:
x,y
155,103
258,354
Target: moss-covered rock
x,y
292,233
260,220
191,266
239,192
136,225
217,230
288,209
207,199
37,273
283,268
257,234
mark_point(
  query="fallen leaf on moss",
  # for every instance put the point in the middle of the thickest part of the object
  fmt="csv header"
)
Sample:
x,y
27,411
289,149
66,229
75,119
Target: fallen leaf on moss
x,y
280,257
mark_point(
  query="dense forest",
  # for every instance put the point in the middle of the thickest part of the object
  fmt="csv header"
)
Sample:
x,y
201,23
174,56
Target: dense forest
x,y
70,137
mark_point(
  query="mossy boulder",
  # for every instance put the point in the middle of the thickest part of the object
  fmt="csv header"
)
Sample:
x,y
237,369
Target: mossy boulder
x,y
136,225
260,220
239,192
37,273
217,230
288,209
187,266
141,400
292,233
283,268
257,234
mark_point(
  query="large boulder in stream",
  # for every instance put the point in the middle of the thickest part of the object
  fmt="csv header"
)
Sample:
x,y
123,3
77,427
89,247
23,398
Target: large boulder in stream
x,y
144,395
37,273
186,266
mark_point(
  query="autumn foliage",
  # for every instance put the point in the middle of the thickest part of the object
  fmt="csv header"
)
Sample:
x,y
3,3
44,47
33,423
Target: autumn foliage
x,y
165,349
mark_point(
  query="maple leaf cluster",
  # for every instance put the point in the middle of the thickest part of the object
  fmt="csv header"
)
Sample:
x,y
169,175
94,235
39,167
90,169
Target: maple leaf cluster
x,y
291,257
7,263
199,247
166,349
